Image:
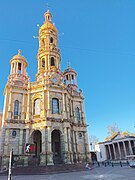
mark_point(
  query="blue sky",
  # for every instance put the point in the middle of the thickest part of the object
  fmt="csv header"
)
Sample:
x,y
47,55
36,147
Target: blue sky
x,y
99,42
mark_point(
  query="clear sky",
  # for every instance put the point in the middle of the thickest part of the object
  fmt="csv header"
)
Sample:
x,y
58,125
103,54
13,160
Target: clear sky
x,y
99,42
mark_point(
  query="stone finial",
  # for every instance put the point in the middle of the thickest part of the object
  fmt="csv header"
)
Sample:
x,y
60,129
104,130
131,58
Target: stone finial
x,y
19,52
68,64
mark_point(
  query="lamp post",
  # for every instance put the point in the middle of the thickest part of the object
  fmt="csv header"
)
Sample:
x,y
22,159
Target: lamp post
x,y
10,164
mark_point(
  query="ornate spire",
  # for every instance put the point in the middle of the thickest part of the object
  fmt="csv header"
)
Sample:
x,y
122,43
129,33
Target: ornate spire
x,y
48,16
68,64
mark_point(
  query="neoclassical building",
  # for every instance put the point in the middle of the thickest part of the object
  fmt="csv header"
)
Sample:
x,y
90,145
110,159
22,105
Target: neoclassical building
x,y
116,147
48,113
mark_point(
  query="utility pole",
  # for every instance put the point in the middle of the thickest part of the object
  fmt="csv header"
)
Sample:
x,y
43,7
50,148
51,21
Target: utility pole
x,y
10,164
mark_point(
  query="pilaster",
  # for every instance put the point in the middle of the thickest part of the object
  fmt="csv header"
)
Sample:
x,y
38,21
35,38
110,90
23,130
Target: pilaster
x,y
20,141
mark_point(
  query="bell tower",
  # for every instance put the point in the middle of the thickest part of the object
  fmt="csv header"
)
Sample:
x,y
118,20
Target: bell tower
x,y
18,74
69,76
48,52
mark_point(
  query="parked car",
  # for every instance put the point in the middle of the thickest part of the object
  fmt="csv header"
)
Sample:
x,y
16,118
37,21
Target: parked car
x,y
131,160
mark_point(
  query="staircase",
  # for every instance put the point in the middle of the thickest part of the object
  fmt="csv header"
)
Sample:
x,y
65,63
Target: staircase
x,y
60,168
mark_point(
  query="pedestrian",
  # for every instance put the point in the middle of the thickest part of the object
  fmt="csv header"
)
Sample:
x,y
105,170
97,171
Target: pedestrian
x,y
120,163
87,166
98,164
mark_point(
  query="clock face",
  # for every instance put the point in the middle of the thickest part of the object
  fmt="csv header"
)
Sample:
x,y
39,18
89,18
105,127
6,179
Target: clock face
x,y
55,80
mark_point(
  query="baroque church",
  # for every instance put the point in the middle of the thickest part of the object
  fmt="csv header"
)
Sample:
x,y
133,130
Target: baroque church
x,y
47,115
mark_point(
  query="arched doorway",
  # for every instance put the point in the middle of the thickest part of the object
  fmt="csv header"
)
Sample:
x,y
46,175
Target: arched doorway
x,y
37,139
56,147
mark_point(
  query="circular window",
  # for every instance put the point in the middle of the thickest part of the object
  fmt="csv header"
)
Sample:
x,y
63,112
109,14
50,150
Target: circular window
x,y
80,135
14,133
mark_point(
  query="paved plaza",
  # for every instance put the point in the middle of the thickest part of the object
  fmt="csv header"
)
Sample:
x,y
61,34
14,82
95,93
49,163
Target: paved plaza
x,y
101,173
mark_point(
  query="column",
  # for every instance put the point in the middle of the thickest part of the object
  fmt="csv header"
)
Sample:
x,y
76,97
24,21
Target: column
x,y
110,152
27,135
48,102
65,139
21,141
28,103
49,140
63,100
66,104
11,70
49,148
74,148
17,68
82,114
43,155
87,158
10,105
107,152
76,145
43,141
130,148
125,152
119,149
44,102
23,107
114,151
21,68
69,142
74,80
48,61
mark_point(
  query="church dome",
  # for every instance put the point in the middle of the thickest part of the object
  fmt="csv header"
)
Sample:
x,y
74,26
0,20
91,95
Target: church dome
x,y
18,57
69,70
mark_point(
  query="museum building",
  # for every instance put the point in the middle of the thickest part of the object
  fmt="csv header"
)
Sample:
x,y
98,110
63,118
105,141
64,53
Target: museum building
x,y
117,147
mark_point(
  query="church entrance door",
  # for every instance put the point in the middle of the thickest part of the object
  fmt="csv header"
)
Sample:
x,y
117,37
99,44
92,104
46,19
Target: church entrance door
x,y
56,147
37,140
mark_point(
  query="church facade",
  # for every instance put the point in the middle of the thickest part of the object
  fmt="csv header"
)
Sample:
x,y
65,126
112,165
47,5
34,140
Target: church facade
x,y
46,115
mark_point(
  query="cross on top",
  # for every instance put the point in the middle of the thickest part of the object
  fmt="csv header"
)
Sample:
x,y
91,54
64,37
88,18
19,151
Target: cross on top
x,y
47,6
19,51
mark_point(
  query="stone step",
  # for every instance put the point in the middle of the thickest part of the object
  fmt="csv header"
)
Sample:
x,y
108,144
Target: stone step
x,y
48,169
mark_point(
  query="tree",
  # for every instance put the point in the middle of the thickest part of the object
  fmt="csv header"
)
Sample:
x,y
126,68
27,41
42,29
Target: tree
x,y
112,129
93,141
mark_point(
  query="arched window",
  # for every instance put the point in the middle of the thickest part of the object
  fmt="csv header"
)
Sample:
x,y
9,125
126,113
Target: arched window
x,y
51,40
19,68
16,109
55,105
43,63
37,106
52,61
77,113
